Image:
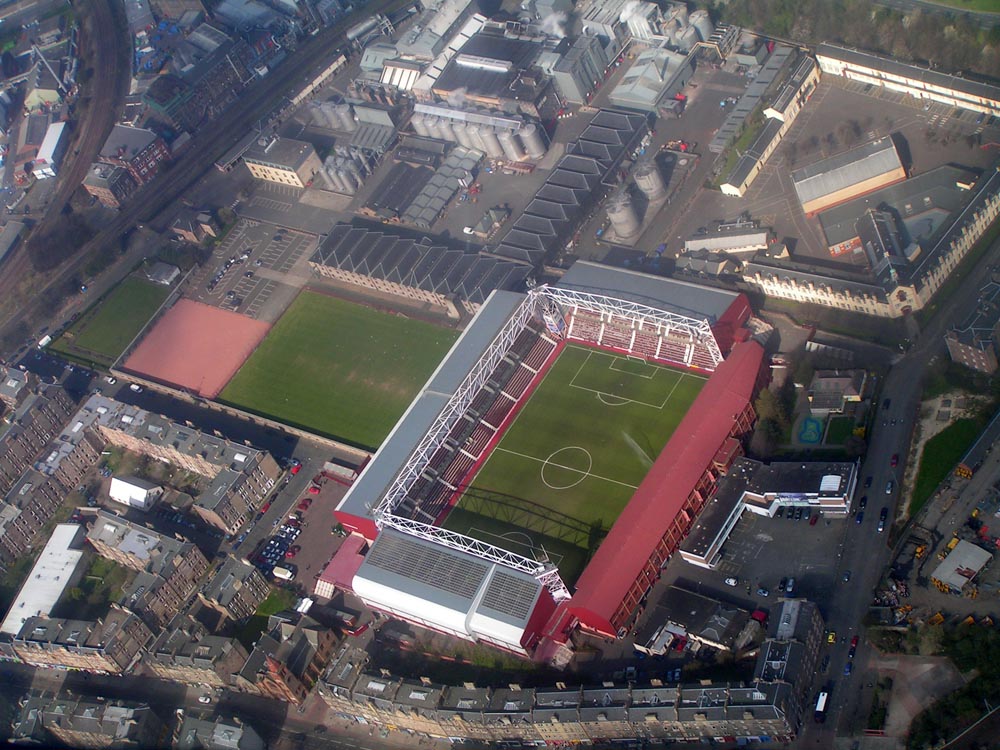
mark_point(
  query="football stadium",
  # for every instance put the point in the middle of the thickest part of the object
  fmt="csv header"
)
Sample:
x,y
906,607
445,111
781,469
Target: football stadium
x,y
554,461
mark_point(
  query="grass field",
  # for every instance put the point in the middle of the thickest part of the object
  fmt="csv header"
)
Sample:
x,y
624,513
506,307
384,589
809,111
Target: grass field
x,y
104,331
940,456
339,369
574,456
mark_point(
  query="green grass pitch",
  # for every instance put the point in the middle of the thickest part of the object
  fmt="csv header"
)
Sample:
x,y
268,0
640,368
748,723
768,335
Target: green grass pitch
x,y
104,331
339,369
574,456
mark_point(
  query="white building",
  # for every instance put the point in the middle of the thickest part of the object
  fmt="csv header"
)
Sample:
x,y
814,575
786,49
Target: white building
x,y
55,570
50,153
134,492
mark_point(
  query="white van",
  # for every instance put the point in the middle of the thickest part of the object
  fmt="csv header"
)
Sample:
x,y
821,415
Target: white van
x,y
283,573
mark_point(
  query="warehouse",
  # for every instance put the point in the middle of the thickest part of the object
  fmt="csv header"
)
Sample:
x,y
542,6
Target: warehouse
x,y
848,175
657,74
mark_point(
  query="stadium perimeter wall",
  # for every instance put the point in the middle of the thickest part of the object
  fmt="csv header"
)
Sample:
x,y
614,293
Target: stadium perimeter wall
x,y
667,502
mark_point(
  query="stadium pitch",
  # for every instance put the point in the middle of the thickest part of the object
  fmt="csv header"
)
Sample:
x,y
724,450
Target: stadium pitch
x,y
339,369
574,455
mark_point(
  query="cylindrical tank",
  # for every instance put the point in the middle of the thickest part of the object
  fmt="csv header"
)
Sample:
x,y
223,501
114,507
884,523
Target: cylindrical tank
x,y
475,135
679,15
446,130
361,28
419,124
511,145
461,134
649,180
623,216
433,126
491,143
670,32
350,184
333,178
346,118
688,38
531,137
703,22
352,168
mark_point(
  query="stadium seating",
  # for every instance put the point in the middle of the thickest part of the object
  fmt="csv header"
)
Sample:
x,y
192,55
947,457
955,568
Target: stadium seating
x,y
482,402
454,475
617,335
519,383
499,411
585,327
703,358
539,353
479,439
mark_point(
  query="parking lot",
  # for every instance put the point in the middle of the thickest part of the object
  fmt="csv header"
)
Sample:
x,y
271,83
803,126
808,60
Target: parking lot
x,y
254,270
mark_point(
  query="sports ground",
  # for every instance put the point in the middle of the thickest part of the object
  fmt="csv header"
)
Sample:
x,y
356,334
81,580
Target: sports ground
x,y
339,369
574,455
103,332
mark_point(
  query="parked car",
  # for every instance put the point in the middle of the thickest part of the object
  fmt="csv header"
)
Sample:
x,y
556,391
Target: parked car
x,y
860,517
847,576
881,527
883,514
868,482
854,641
135,387
889,487
314,490
863,503
848,668
763,592
894,461
732,581
790,586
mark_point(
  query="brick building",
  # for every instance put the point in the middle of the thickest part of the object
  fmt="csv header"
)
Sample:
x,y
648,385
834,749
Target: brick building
x,y
38,419
286,663
75,722
111,185
236,590
187,652
109,646
138,150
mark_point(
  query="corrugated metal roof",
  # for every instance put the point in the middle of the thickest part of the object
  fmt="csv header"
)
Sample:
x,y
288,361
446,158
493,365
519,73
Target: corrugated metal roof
x,y
845,169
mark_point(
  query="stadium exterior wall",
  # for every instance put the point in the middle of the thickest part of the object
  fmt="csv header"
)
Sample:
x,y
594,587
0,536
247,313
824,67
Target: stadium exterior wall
x,y
732,320
668,501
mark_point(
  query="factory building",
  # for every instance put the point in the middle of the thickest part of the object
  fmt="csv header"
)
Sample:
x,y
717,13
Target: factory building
x,y
920,83
283,160
847,175
579,69
656,75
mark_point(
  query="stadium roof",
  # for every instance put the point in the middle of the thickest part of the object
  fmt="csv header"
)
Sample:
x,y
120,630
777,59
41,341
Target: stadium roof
x,y
390,458
837,172
670,295
53,571
662,495
453,589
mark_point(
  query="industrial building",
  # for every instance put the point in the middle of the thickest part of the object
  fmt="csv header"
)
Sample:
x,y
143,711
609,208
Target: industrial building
x,y
920,83
657,74
577,183
58,567
283,160
848,175
960,568
577,67
50,153
735,239
450,279
906,283
763,489
787,100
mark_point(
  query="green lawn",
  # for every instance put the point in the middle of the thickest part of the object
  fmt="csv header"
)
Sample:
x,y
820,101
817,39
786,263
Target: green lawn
x,y
839,430
339,369
104,331
940,456
276,601
575,454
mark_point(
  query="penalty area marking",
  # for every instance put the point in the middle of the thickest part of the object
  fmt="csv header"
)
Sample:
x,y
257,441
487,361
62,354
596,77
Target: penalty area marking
x,y
603,398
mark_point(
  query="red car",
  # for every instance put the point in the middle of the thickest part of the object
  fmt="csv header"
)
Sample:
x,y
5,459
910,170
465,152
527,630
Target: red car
x,y
293,522
314,490
290,554
894,460
854,641
265,507
296,467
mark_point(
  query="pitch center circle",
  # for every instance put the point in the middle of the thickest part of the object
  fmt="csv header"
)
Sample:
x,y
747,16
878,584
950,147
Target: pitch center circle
x,y
559,468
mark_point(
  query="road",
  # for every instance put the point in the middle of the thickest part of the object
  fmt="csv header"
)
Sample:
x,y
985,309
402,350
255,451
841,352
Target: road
x,y
865,552
207,145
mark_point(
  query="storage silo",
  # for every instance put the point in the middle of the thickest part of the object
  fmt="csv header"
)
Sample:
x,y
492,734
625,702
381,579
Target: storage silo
x,y
346,118
446,130
475,135
623,216
419,124
333,178
679,15
649,180
703,22
433,127
531,137
688,38
351,166
461,134
491,143
511,145
350,184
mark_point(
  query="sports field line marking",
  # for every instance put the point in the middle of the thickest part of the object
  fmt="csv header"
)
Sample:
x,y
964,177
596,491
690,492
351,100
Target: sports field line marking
x,y
612,395
568,468
616,360
482,534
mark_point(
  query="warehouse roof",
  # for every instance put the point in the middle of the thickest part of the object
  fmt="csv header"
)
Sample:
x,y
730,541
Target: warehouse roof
x,y
842,170
283,153
961,565
488,64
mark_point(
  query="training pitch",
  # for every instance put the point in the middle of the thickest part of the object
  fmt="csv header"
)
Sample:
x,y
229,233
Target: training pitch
x,y
339,369
103,332
574,455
